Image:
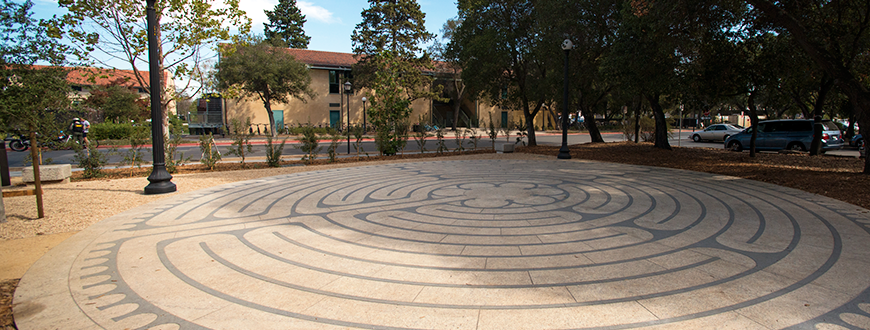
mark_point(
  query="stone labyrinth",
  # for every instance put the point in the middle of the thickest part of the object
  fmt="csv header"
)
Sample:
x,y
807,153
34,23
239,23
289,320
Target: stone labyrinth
x,y
490,244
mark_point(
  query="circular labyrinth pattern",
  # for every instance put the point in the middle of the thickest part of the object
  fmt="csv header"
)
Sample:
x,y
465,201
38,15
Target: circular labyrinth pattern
x,y
467,245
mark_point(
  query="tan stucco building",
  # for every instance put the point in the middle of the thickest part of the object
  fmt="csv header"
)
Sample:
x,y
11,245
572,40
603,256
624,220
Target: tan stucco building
x,y
329,71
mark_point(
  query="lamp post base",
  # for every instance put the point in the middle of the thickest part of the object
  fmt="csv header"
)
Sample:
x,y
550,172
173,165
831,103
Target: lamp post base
x,y
160,181
564,153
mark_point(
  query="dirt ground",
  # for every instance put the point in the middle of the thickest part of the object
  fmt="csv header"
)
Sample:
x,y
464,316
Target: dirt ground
x,y
836,177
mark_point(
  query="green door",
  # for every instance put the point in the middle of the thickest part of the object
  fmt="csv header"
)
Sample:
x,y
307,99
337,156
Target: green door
x,y
279,119
504,119
334,118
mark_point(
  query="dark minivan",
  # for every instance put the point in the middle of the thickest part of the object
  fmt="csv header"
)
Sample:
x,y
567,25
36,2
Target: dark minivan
x,y
792,134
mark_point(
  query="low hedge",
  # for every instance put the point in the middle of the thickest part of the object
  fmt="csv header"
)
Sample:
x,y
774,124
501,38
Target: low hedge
x,y
113,131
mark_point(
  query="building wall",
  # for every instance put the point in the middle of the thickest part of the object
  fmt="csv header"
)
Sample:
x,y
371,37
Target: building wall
x,y
314,111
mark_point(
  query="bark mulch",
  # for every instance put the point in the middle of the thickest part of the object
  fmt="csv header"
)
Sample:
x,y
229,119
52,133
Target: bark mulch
x,y
835,177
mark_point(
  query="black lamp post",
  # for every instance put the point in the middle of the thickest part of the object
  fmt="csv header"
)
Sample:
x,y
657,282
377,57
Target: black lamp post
x,y
161,180
365,129
564,153
347,87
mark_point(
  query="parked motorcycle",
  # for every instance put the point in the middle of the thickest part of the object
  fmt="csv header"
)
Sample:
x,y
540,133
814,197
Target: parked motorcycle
x,y
17,143
20,144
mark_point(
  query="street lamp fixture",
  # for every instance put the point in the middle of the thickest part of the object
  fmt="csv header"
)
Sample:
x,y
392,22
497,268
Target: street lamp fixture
x,y
564,153
365,129
160,180
347,88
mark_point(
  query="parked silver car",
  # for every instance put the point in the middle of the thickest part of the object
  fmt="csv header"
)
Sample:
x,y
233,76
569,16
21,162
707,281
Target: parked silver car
x,y
718,132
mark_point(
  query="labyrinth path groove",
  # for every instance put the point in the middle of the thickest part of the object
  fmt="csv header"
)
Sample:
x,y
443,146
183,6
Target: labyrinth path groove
x,y
479,244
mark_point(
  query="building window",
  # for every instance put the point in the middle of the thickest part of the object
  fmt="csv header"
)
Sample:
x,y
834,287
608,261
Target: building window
x,y
334,87
141,90
335,81
334,105
77,88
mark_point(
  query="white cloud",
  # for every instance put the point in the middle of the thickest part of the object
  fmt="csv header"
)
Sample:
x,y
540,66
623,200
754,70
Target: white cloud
x,y
254,10
316,12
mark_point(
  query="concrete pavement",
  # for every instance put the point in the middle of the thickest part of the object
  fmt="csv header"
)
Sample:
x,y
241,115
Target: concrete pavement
x,y
483,244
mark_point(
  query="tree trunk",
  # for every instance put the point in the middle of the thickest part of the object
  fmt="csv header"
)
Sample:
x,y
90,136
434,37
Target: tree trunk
x,y
530,129
456,109
661,134
267,102
34,157
594,132
850,131
638,106
844,79
816,145
753,122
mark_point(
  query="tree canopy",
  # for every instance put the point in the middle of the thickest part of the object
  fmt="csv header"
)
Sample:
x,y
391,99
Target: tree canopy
x,y
106,31
256,68
285,26
391,62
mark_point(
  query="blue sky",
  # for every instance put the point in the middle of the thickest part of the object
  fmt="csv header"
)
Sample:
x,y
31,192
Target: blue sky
x,y
329,22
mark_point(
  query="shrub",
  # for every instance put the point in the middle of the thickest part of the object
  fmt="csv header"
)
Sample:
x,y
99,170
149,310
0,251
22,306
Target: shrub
x,y
210,154
134,156
176,129
273,152
647,129
113,131
91,161
420,138
333,145
241,139
439,137
308,144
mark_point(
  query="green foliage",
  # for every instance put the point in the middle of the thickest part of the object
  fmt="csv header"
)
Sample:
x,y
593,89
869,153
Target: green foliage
x,y
174,159
521,133
502,54
285,26
274,152
390,36
25,40
420,137
492,130
358,133
91,161
333,146
439,137
309,144
647,129
119,131
118,104
459,136
389,109
475,138
403,128
210,154
110,30
135,154
241,136
255,68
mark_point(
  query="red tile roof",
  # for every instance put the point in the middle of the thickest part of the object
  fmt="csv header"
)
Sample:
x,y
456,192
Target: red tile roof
x,y
333,59
89,76
321,58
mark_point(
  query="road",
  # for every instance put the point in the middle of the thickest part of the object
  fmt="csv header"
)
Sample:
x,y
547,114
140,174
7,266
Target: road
x,y
16,159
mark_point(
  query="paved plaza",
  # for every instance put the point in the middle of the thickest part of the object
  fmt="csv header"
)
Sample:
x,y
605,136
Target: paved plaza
x,y
478,244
